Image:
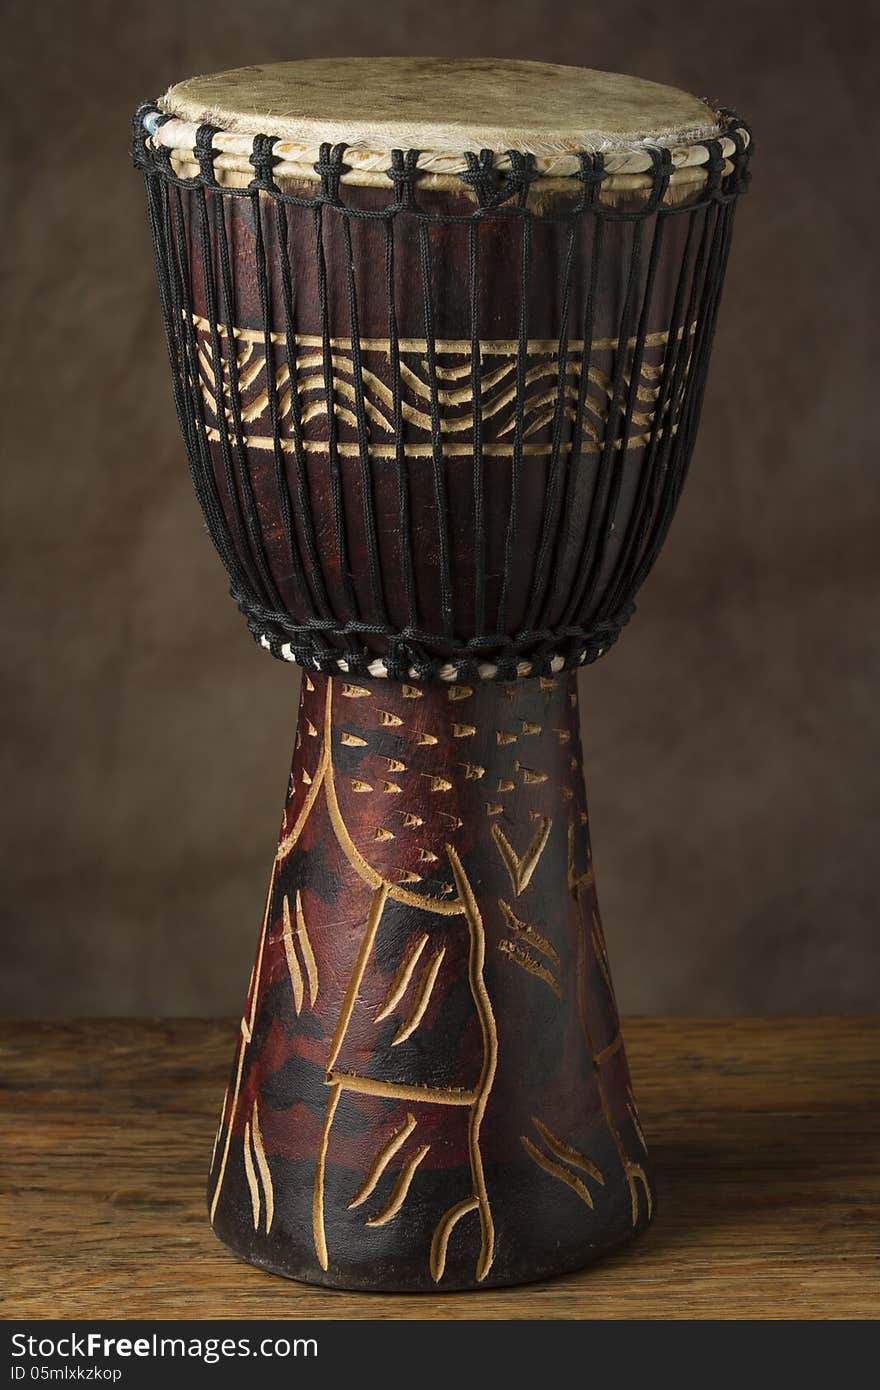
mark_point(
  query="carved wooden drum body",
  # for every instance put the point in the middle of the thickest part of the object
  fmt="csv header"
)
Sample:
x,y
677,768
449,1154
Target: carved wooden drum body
x,y
439,381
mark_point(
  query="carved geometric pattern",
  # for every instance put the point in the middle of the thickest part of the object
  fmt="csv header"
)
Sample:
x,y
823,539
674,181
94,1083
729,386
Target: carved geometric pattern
x,y
454,397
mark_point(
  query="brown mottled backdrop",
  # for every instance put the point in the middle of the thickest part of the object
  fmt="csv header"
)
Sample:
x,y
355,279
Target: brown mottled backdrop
x,y
728,737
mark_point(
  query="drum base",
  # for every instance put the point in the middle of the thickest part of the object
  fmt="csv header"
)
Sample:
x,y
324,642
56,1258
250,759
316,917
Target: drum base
x,y
430,1090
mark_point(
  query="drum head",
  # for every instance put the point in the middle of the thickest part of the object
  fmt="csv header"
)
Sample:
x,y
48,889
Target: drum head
x,y
444,105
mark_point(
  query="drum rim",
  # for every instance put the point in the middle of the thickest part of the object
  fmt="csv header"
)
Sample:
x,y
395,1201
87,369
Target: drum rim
x,y
626,167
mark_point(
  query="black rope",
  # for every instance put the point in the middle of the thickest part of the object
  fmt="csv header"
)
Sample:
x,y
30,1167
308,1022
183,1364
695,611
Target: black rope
x,y
439,467
662,170
312,567
241,498
282,482
544,561
328,167
591,175
368,501
507,665
617,446
477,429
403,497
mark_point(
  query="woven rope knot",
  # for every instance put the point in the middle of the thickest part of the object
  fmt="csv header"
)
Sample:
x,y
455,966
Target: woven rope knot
x,y
402,174
205,154
330,168
406,653
662,167
743,142
481,175
590,175
263,162
147,120
714,166
139,133
591,170
522,175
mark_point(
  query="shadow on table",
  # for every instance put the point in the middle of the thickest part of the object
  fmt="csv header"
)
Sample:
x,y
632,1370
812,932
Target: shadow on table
x,y
768,1168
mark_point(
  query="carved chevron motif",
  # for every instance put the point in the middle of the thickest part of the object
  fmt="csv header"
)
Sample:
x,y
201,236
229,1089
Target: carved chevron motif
x,y
522,866
368,394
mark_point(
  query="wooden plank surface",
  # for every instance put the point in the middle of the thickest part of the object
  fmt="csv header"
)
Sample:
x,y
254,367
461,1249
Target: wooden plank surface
x,y
765,1137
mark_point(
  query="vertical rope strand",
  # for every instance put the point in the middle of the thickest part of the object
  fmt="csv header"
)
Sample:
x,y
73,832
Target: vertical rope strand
x,y
599,522
374,568
440,500
620,584
554,473
281,483
339,521
477,430
196,401
522,352
242,575
683,383
400,463
172,315
312,567
617,477
694,403
577,438
330,396
245,496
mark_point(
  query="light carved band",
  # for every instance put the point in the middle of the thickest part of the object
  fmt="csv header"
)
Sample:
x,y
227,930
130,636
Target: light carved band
x,y
509,420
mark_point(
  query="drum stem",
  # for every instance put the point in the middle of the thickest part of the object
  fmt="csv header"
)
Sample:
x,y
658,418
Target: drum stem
x,y
430,1089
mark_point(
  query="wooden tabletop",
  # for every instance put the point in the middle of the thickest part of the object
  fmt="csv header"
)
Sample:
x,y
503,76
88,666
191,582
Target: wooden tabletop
x,y
765,1137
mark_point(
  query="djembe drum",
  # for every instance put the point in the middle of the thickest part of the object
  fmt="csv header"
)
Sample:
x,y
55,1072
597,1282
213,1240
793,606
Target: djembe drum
x,y
439,333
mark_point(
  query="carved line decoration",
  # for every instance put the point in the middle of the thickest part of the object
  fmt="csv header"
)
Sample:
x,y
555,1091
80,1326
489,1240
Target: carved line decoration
x,y
633,1172
381,1161
558,1158
521,867
257,1172
247,1025
499,408
337,1082
401,1188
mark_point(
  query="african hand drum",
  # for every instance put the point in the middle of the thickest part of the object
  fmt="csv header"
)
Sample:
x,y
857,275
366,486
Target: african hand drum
x,y
439,332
